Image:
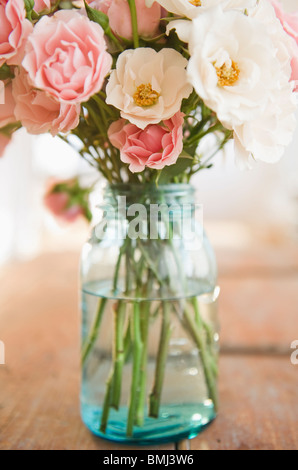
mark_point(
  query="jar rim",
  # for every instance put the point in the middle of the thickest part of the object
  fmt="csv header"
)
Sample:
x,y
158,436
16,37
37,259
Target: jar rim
x,y
151,188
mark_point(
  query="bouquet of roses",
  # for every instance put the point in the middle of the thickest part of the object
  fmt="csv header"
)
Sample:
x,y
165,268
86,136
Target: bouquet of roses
x,y
141,83
139,86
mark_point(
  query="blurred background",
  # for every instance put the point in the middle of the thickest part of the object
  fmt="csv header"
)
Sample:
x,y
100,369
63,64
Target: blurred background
x,y
240,208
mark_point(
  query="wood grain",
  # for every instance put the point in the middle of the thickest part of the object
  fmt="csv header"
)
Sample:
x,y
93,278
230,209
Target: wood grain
x,y
258,406
259,313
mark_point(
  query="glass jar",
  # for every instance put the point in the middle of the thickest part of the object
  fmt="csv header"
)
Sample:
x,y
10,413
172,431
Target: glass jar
x,y
149,322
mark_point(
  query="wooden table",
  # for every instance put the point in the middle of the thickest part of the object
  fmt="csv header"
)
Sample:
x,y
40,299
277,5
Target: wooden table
x,y
39,384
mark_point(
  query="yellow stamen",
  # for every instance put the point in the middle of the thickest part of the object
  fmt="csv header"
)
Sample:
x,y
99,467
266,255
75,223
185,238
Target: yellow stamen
x,y
145,96
228,76
196,3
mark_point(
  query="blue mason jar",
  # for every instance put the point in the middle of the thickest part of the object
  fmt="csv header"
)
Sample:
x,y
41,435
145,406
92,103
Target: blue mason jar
x,y
149,318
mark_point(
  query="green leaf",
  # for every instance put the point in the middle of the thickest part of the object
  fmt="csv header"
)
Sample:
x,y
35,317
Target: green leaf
x,y
88,214
170,172
103,20
98,17
191,150
191,103
29,5
5,72
10,129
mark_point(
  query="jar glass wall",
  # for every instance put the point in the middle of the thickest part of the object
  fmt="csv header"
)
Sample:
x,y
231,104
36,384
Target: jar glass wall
x,y
149,321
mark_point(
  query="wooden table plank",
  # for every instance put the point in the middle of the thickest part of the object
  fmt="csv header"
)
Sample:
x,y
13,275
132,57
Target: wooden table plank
x,y
259,313
259,297
258,406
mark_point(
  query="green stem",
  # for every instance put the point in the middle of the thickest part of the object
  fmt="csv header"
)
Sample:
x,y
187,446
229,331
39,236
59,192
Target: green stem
x,y
118,264
102,104
156,311
137,359
198,336
114,39
89,343
143,372
209,333
110,384
150,263
119,354
196,329
121,343
127,343
216,127
103,134
106,404
134,22
198,318
116,275
166,331
145,320
205,163
178,261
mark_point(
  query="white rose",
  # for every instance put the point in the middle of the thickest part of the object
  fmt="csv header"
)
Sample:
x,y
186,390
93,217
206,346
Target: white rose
x,y
191,8
233,65
148,86
265,14
266,138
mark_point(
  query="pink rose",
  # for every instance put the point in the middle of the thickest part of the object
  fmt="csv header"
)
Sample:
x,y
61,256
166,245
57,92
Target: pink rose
x,y
4,141
120,19
290,24
68,200
154,147
14,30
40,112
66,56
42,5
57,203
7,109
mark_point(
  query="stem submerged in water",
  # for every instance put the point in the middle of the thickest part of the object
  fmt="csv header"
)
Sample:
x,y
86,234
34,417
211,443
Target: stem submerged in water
x,y
166,331
89,343
137,346
195,325
106,405
119,353
145,322
131,331
143,373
